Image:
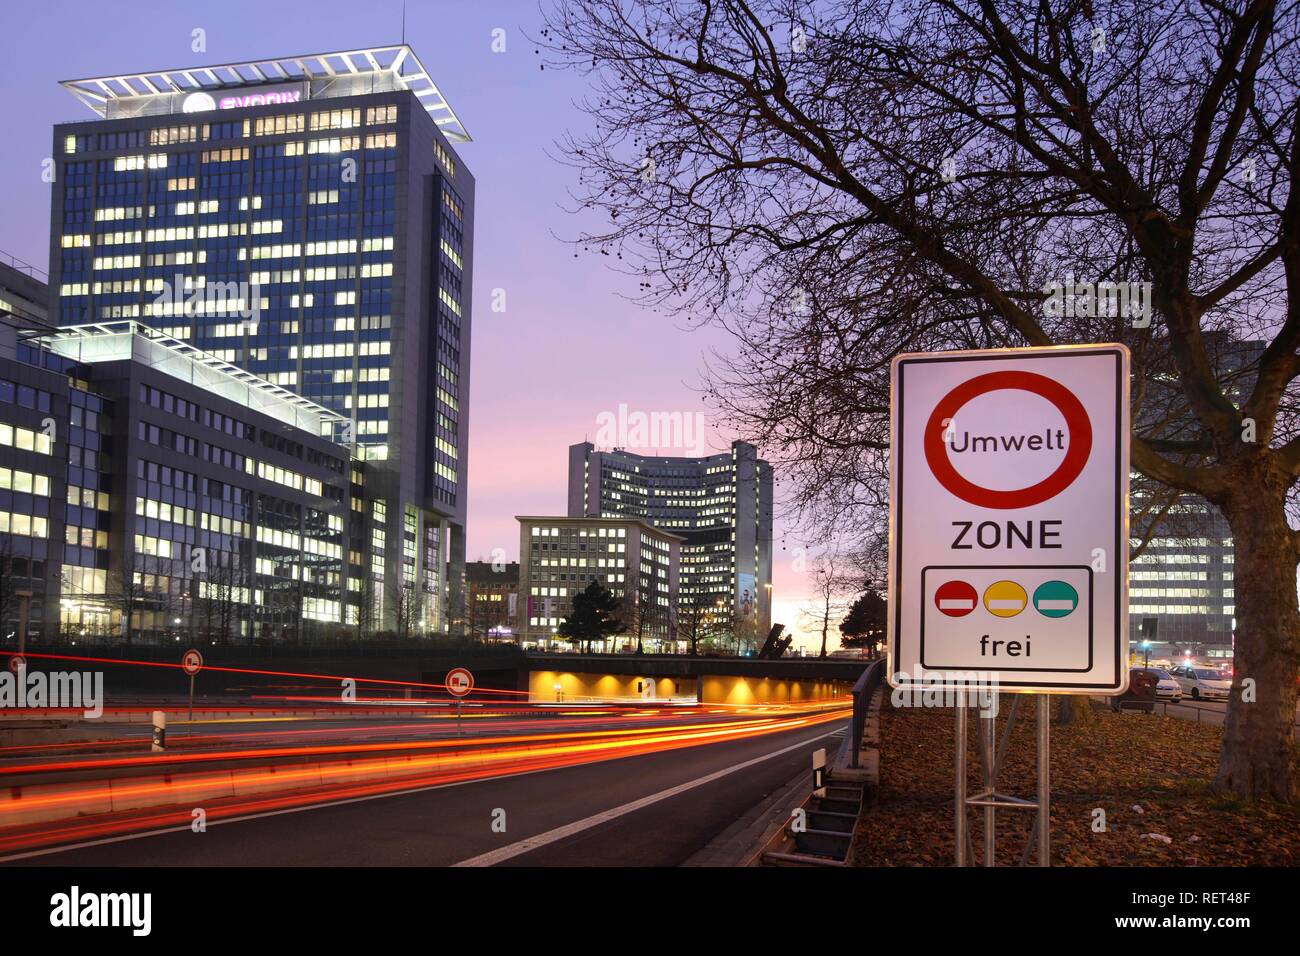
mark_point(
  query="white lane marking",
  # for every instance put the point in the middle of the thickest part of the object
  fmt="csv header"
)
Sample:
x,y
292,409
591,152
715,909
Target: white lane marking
x,y
493,857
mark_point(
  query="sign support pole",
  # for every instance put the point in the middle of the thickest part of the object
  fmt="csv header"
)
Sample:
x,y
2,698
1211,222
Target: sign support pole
x,y
960,800
191,699
1045,780
988,757
991,754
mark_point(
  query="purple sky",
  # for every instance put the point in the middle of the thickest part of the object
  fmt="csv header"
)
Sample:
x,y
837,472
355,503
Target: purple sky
x,y
561,313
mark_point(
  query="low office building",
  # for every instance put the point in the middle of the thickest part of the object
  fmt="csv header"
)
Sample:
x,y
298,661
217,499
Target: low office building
x,y
492,599
639,564
158,492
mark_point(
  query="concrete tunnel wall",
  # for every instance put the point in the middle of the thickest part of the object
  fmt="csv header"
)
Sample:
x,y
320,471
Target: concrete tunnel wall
x,y
714,689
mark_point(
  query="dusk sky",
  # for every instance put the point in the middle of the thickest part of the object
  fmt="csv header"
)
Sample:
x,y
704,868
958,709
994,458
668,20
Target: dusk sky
x,y
567,348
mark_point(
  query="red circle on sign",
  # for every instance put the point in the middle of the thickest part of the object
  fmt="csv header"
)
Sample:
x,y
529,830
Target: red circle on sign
x,y
1076,456
958,596
459,682
192,662
17,663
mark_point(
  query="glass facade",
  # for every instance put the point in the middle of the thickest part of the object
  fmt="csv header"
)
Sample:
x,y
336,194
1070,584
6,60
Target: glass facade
x,y
322,245
720,505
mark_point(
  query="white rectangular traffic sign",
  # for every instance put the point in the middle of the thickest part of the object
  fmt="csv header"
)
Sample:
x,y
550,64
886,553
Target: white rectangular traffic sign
x,y
1009,519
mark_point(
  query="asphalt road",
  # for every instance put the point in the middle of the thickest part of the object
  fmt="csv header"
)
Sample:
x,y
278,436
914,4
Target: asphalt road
x,y
454,824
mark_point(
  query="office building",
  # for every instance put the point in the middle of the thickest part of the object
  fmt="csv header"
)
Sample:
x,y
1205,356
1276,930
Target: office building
x,y
309,221
1181,593
637,562
151,491
720,505
491,599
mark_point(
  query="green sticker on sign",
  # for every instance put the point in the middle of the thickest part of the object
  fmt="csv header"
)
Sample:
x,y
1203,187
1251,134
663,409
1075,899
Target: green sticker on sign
x,y
1055,599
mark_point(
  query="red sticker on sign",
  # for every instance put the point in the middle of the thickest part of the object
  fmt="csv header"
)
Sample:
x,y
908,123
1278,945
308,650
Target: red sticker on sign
x,y
955,598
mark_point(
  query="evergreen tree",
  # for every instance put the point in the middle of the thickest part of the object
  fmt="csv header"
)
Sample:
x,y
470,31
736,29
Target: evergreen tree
x,y
595,616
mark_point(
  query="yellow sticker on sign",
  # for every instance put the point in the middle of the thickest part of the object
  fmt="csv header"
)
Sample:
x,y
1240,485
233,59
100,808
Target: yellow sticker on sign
x,y
1005,598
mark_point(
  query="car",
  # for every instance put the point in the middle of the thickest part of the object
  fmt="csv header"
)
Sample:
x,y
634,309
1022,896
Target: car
x,y
1166,687
1202,683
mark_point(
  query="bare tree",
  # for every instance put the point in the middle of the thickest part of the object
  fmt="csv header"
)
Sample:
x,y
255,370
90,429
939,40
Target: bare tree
x,y
367,612
692,620
402,595
221,597
838,182
128,595
833,585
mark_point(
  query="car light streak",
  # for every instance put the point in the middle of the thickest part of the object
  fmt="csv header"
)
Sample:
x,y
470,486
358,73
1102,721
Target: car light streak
x,y
506,755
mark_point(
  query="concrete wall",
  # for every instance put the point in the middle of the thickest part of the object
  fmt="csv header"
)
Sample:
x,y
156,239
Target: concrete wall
x,y
719,689
714,689
574,687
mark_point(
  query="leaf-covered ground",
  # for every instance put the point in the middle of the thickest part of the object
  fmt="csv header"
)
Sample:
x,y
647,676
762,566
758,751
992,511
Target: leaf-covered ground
x,y
1150,774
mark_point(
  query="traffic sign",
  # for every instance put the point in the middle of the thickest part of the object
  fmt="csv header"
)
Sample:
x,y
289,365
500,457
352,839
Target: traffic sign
x,y
192,662
1008,517
17,663
459,682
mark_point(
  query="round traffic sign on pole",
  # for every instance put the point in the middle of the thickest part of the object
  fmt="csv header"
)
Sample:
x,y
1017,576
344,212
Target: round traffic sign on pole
x,y
192,662
17,663
459,682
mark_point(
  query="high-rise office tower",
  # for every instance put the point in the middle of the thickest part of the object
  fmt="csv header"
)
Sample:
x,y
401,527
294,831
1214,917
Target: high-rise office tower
x,y
1181,591
720,504
309,220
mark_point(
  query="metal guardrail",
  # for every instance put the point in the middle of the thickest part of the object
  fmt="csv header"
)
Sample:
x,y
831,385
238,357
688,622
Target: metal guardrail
x,y
863,691
18,265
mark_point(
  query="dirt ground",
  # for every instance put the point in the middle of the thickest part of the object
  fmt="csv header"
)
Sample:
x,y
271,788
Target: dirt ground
x,y
1149,774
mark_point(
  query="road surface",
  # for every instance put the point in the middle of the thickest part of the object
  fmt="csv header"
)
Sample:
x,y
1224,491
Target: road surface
x,y
652,810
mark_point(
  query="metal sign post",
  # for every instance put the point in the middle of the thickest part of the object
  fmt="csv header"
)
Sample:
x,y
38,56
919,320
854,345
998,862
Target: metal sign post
x,y
192,663
992,753
459,682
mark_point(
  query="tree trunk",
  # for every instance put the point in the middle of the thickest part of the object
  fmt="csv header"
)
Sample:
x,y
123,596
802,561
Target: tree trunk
x,y
1259,732
1075,709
